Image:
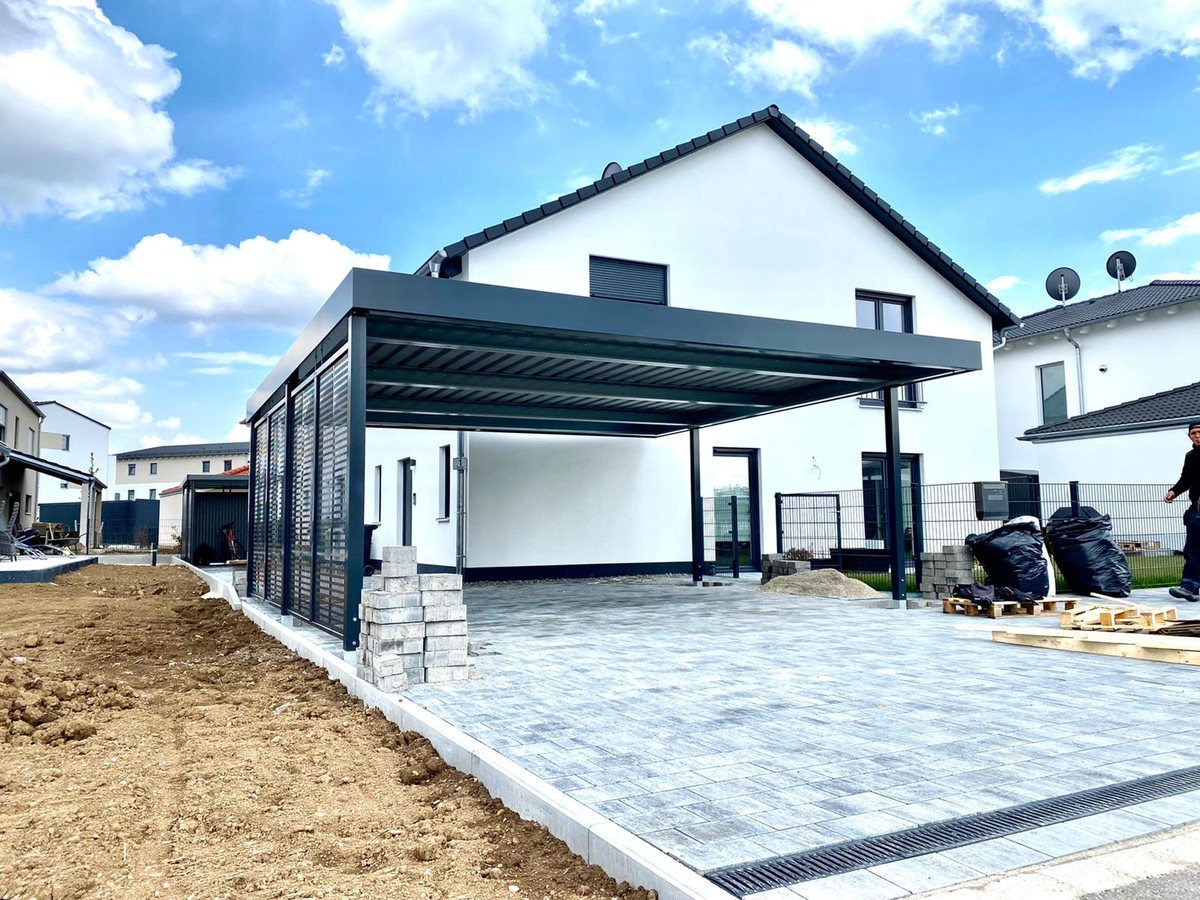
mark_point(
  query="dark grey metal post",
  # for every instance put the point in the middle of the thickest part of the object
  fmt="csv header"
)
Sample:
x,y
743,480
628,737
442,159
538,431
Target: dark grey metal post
x,y
895,504
733,536
697,508
1073,487
356,480
778,522
289,512
251,511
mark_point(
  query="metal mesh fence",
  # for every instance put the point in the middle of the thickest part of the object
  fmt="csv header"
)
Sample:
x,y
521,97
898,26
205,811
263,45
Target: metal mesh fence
x,y
847,529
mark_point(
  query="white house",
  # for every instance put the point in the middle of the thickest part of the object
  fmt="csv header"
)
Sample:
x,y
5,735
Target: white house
x,y
144,474
71,439
1066,379
753,218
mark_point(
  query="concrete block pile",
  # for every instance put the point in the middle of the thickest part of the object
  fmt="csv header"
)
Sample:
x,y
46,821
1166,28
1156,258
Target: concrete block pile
x,y
776,564
940,572
413,627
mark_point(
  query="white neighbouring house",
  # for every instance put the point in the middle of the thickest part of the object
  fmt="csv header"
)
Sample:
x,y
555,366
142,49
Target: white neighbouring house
x,y
71,439
1100,391
753,218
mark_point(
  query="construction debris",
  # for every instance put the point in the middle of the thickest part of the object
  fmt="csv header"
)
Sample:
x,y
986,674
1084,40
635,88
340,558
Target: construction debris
x,y
1117,617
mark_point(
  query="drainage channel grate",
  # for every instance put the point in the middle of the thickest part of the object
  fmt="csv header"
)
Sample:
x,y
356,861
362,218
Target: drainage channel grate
x,y
860,853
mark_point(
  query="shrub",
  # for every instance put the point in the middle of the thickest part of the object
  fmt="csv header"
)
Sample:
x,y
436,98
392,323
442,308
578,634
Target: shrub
x,y
798,553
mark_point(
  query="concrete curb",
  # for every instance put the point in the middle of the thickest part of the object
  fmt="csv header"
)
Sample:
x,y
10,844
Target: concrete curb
x,y
620,853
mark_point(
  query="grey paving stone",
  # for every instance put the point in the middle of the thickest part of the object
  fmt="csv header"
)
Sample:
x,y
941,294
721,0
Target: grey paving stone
x,y
870,824
853,804
925,873
664,800
995,856
800,839
860,885
793,816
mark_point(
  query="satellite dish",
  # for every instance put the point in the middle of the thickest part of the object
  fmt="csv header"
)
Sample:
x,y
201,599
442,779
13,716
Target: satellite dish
x,y
1062,284
1120,266
611,169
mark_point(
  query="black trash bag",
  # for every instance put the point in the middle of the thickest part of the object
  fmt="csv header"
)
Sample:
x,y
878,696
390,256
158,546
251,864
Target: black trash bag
x,y
204,555
1012,558
979,594
1089,559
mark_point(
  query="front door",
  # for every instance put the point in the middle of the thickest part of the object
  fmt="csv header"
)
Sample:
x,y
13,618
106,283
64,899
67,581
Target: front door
x,y
737,512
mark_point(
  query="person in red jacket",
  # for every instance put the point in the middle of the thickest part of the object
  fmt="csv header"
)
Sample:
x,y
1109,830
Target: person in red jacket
x,y
1189,480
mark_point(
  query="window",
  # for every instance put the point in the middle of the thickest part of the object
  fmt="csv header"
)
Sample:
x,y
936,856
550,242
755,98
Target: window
x,y
887,312
875,504
62,485
1052,387
378,494
621,279
16,430
66,442
444,482
32,443
206,466
117,496
133,469
153,469
130,497
28,504
153,493
227,465
3,423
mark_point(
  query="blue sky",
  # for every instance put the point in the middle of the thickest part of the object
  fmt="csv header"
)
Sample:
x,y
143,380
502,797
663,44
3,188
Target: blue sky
x,y
183,184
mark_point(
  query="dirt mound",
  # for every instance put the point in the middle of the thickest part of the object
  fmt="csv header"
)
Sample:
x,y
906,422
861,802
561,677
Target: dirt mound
x,y
236,769
821,583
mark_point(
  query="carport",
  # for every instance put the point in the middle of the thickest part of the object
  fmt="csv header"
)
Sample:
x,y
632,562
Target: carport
x,y
405,351
91,490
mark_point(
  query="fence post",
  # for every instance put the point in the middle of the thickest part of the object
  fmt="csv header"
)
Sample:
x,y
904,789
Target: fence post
x,y
733,534
1074,488
778,522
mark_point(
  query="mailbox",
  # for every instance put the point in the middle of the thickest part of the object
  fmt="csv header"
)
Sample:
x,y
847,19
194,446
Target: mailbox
x,y
991,500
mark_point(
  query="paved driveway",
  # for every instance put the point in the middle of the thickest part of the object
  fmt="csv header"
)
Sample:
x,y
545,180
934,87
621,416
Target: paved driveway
x,y
726,725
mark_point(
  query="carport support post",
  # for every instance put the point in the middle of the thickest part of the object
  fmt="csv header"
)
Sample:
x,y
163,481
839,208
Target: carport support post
x,y
697,508
286,601
895,505
356,480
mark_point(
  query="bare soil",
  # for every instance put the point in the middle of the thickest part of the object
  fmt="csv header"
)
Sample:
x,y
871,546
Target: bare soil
x,y
154,744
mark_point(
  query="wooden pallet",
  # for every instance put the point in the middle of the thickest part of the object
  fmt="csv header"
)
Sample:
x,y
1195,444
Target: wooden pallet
x,y
1008,607
1160,648
1123,617
1139,546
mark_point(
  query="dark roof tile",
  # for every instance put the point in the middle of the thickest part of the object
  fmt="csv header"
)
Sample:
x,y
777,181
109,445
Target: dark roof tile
x,y
1157,294
1177,406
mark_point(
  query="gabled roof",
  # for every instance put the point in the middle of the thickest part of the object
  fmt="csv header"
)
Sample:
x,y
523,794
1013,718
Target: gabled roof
x,y
75,411
175,451
1175,408
240,478
12,386
1155,295
449,258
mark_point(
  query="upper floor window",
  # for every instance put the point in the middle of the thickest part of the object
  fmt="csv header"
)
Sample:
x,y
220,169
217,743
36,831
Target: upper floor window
x,y
887,312
622,279
66,442
133,468
227,465
153,468
32,443
1052,393
206,466
3,424
444,482
130,495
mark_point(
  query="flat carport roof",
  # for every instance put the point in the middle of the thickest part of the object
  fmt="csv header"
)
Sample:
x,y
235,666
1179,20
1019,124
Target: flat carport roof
x,y
421,352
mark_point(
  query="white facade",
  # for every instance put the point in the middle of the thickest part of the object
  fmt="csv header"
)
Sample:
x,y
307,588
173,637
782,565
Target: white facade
x,y
86,448
744,226
1117,361
150,472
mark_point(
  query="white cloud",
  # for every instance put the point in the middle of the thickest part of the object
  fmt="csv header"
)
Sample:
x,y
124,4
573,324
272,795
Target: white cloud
x,y
1186,163
830,135
302,196
582,77
155,363
934,121
259,282
1002,283
232,357
238,433
82,128
213,370
1184,226
105,398
854,25
1106,38
779,65
449,53
1124,164
335,57
169,424
42,334
590,8
151,440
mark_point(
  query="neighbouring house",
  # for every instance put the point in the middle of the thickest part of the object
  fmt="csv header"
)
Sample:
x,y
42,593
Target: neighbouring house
x,y
144,474
71,439
741,302
1072,372
21,465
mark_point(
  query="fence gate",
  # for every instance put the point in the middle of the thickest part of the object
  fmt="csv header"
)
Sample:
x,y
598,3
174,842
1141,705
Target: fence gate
x,y
809,522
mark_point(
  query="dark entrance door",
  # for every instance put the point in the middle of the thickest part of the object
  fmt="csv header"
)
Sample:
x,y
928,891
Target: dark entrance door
x,y
736,475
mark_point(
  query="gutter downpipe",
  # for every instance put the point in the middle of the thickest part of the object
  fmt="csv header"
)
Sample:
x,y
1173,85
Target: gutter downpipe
x,y
1078,368
460,562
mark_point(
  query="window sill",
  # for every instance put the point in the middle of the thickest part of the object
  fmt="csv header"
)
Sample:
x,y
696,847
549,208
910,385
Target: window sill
x,y
442,519
872,403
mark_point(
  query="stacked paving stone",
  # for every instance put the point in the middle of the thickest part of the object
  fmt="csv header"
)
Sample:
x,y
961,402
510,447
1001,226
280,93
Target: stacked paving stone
x,y
776,564
239,582
940,572
413,627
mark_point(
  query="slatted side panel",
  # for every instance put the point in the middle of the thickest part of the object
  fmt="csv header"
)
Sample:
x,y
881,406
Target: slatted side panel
x,y
258,510
276,473
622,279
304,451
333,469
